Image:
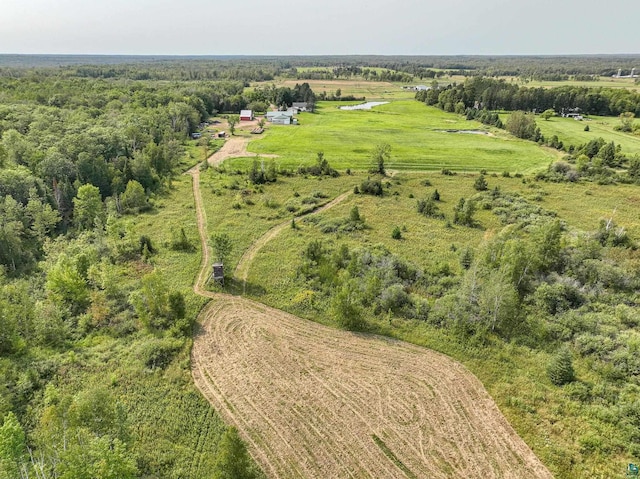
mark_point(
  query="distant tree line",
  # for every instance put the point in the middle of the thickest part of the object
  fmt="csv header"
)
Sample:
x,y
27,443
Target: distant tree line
x,y
248,69
491,94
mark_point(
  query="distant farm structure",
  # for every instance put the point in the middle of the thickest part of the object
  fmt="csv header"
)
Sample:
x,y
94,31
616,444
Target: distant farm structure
x,y
246,115
300,106
417,88
620,75
280,117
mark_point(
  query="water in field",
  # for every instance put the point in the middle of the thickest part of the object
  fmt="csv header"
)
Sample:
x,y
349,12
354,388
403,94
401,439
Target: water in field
x,y
364,106
467,132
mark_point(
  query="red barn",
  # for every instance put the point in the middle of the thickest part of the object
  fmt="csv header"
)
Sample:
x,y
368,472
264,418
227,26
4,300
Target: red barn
x,y
246,115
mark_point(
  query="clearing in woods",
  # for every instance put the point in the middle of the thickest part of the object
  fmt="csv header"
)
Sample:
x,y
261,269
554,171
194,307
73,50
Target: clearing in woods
x,y
316,402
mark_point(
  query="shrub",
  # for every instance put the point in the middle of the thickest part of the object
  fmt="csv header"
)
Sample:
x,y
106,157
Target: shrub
x,y
463,212
429,208
321,168
145,244
394,298
466,258
354,214
180,242
346,311
134,198
371,187
158,353
396,233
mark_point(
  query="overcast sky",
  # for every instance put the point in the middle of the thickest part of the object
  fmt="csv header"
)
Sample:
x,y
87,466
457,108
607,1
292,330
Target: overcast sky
x,y
302,27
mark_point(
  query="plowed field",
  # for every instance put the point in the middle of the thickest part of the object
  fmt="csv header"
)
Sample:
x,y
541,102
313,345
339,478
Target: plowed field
x,y
315,402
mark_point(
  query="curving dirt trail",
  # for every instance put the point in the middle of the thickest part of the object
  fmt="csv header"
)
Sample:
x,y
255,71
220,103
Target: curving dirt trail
x,y
234,147
242,269
315,402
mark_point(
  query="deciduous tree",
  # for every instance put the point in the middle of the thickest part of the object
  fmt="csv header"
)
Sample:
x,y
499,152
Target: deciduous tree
x,y
88,207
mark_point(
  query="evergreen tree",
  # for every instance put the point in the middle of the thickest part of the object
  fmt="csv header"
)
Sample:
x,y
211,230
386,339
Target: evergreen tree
x,y
560,368
354,215
480,183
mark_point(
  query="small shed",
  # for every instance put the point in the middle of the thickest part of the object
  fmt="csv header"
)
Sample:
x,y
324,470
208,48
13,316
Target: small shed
x,y
218,273
246,115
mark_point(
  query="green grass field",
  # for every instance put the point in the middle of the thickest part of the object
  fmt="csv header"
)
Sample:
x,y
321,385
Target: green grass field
x,y
602,82
356,87
515,375
427,241
571,132
414,132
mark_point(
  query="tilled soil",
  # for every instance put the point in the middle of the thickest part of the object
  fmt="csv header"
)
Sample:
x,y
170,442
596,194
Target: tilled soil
x,y
316,402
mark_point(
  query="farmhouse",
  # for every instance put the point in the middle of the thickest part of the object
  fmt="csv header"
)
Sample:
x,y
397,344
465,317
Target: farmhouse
x,y
299,106
571,113
280,117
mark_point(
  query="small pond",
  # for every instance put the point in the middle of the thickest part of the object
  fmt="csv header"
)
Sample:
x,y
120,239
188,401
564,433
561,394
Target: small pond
x,y
364,106
466,132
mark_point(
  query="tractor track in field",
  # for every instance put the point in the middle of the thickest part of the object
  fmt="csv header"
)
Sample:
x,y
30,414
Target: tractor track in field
x,y
314,402
242,269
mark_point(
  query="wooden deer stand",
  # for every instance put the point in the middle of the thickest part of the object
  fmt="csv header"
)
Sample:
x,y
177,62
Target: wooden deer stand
x,y
217,275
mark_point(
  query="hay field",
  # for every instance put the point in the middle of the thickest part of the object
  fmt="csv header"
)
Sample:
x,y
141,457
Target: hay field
x,y
357,87
415,132
571,132
315,402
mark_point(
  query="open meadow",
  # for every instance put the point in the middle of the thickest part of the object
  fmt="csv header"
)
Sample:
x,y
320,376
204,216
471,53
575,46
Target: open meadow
x,y
571,132
372,91
417,135
541,414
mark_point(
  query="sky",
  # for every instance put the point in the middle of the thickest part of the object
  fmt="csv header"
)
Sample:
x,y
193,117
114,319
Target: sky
x,y
328,27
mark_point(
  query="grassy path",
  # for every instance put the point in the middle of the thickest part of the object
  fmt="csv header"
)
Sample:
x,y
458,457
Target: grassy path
x,y
242,269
